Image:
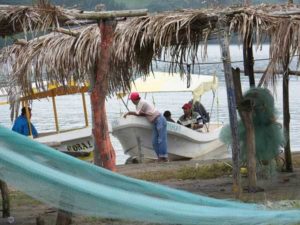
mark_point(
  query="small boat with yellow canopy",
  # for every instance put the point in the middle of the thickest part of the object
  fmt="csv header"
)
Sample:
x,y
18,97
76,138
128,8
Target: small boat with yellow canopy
x,y
76,142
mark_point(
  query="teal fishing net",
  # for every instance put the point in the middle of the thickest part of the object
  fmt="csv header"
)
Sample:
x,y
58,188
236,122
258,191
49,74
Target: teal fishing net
x,y
70,184
268,133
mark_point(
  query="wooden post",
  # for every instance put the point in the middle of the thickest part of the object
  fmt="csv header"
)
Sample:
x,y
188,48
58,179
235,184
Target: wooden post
x,y
104,154
85,110
248,59
55,112
5,199
63,218
232,111
286,115
245,111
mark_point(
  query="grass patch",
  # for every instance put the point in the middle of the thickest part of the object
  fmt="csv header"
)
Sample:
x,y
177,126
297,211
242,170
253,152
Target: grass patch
x,y
18,198
189,172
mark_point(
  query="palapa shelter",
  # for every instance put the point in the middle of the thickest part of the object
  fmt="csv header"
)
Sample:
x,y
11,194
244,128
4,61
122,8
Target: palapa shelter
x,y
77,57
110,62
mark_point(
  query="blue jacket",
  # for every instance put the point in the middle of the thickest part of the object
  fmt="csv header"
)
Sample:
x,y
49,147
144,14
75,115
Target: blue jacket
x,y
21,126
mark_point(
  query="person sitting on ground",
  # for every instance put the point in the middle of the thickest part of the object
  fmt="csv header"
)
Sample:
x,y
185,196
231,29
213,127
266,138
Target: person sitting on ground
x,y
158,121
21,124
167,115
199,108
190,118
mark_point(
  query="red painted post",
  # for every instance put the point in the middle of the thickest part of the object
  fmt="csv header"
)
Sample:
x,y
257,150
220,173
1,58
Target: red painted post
x,y
104,154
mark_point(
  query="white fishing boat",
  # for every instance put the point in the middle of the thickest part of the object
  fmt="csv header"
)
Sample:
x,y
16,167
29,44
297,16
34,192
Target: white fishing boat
x,y
76,142
134,133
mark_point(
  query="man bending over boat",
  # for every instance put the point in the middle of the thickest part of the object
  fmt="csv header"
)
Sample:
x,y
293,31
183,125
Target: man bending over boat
x,y
21,124
159,131
190,118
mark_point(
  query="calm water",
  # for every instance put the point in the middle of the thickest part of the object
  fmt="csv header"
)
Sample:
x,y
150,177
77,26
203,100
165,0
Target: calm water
x,y
71,114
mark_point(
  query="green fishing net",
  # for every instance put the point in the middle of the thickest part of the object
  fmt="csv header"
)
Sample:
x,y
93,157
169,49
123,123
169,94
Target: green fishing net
x,y
269,136
73,185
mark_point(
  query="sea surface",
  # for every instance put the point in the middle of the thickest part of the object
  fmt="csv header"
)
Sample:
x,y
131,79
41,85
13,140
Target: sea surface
x,y
70,111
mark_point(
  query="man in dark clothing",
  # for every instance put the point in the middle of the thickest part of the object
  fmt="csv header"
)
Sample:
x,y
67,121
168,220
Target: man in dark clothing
x,y
167,115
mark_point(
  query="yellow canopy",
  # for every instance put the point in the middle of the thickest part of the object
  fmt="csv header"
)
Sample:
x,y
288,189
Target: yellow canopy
x,y
165,82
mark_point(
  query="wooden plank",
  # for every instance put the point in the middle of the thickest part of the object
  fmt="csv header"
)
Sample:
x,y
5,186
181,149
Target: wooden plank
x,y
109,14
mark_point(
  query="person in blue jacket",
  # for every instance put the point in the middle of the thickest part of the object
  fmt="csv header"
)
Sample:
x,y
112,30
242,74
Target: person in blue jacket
x,y
21,124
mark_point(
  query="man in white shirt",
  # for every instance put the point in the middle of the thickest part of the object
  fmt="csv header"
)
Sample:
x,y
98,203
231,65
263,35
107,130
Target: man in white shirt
x,y
159,131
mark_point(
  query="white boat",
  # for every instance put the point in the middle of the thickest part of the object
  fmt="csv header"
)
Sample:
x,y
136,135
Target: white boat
x,y
134,133
76,142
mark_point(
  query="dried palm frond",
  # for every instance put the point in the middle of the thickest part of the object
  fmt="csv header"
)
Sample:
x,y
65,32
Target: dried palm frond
x,y
176,36
54,58
31,19
172,36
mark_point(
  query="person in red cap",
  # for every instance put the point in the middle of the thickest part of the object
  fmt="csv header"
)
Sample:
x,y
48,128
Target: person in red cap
x,y
190,118
159,131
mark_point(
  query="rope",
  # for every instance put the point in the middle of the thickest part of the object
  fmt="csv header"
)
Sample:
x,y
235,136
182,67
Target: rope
x,y
211,63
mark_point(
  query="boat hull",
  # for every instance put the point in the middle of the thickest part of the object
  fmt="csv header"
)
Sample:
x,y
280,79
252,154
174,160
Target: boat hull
x,y
135,133
78,142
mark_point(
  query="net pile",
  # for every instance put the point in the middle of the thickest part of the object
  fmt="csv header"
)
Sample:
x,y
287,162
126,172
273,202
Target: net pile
x,y
67,183
269,136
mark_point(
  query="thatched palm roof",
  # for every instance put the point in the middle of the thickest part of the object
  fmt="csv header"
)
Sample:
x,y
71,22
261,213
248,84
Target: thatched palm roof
x,y
180,33
40,17
140,40
55,58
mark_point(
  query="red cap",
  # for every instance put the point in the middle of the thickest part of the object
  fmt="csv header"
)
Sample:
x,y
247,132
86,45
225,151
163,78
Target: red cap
x,y
134,96
187,106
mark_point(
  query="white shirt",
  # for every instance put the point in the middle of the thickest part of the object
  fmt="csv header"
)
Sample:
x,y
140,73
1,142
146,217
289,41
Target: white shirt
x,y
148,109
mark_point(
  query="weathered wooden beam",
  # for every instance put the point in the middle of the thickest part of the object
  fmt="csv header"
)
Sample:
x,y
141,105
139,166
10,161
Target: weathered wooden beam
x,y
6,7
109,14
67,32
20,42
232,111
